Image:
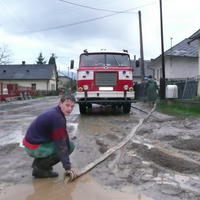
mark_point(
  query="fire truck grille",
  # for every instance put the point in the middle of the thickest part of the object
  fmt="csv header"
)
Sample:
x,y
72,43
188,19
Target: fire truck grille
x,y
106,79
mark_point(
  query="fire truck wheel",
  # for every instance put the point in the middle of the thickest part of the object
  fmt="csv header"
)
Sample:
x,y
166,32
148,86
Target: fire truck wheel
x,y
82,108
126,107
114,107
89,105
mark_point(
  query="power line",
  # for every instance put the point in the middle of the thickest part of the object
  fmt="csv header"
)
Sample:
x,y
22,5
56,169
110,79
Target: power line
x,y
71,24
92,8
84,21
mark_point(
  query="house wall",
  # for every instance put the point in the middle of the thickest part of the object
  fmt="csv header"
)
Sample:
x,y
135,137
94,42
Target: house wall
x,y
48,85
51,85
63,81
177,67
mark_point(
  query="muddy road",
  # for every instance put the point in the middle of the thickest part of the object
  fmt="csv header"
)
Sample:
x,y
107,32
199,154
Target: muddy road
x,y
161,161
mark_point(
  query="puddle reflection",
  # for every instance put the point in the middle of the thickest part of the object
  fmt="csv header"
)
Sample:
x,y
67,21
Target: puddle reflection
x,y
84,188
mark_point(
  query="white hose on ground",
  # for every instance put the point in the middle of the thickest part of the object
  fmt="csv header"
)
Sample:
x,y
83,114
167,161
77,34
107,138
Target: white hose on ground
x,y
113,149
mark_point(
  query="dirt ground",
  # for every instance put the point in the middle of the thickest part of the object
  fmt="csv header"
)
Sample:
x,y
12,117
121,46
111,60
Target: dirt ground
x,y
161,161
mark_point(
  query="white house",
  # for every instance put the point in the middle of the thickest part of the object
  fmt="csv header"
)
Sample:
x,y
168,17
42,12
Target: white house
x,y
196,37
37,76
181,61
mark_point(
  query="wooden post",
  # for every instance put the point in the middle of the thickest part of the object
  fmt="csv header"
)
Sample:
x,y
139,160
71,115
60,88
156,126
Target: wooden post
x,y
162,80
141,47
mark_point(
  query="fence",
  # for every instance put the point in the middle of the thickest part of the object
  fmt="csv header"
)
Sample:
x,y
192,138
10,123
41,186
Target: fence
x,y
187,88
9,91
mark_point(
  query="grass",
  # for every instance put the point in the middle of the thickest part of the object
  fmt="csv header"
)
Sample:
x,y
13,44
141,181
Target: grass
x,y
178,109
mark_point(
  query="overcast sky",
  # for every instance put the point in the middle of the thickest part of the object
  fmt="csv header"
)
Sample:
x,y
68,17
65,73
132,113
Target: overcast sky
x,y
66,28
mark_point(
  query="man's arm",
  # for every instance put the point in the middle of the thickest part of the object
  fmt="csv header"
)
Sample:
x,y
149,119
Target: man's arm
x,y
62,150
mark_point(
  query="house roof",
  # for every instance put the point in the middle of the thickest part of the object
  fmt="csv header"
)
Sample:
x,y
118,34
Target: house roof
x,y
185,48
196,35
26,72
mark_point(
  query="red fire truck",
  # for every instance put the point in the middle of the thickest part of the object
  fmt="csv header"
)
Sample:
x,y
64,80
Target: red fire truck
x,y
105,78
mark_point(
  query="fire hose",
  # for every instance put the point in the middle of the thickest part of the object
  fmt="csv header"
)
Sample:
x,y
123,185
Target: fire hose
x,y
71,176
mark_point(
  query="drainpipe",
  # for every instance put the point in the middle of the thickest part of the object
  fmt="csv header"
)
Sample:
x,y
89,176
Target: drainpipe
x,y
198,91
47,85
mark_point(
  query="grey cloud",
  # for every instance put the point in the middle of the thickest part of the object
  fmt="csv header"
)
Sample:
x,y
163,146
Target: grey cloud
x,y
54,18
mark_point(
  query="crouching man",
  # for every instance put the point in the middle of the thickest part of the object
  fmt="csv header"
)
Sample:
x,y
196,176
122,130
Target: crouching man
x,y
47,140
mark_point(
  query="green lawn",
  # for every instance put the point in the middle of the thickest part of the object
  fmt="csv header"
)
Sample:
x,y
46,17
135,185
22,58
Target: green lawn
x,y
178,109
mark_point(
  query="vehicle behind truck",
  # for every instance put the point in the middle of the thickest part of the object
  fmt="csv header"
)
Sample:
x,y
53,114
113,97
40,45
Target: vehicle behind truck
x,y
105,78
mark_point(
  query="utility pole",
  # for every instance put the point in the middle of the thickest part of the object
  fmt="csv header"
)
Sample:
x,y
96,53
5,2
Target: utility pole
x,y
162,80
141,47
171,38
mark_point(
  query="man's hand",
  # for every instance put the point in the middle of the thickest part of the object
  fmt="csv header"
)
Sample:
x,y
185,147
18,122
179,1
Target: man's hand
x,y
72,174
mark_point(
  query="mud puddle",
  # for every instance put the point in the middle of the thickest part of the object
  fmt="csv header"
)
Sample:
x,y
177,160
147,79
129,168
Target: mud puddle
x,y
161,161
81,189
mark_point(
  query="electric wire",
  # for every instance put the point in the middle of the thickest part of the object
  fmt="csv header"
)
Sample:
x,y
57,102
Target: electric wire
x,y
84,21
92,8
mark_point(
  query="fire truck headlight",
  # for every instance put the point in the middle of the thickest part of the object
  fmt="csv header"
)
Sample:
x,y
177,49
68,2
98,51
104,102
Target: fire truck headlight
x,y
130,89
125,87
80,89
85,87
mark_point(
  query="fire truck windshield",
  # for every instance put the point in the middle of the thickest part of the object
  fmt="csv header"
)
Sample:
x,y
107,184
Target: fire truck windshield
x,y
102,59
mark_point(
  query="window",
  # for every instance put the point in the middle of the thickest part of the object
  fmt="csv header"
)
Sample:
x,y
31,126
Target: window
x,y
53,87
102,59
92,60
33,85
117,60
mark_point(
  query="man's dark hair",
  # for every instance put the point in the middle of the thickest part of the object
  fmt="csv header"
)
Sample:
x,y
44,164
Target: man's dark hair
x,y
68,96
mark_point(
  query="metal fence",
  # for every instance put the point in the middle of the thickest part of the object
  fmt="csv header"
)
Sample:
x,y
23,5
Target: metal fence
x,y
11,91
187,88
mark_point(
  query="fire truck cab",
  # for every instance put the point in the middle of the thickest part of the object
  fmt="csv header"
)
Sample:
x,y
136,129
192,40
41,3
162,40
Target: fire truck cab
x,y
105,78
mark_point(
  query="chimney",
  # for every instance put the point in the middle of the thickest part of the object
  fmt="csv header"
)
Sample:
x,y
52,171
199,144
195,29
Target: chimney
x,y
23,62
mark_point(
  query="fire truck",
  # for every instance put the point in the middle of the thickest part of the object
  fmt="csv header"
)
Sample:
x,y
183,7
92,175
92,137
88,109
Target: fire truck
x,y
105,78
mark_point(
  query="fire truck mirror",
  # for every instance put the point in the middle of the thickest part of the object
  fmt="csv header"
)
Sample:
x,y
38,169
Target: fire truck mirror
x,y
72,64
137,63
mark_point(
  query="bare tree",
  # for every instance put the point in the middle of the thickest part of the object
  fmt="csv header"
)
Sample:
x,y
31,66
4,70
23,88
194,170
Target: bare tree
x,y
5,55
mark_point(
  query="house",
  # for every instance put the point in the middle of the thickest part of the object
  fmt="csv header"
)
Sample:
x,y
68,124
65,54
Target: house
x,y
64,82
41,77
137,74
196,36
181,61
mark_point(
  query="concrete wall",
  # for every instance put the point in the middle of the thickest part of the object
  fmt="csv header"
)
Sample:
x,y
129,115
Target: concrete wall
x,y
177,67
48,85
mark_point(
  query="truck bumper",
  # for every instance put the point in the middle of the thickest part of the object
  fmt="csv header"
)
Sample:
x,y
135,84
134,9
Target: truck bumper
x,y
105,97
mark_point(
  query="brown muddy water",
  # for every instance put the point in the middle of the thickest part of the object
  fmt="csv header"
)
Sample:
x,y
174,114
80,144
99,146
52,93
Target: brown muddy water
x,y
161,161
84,188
